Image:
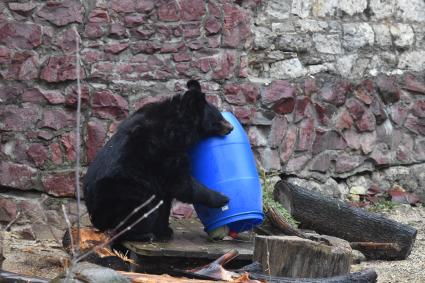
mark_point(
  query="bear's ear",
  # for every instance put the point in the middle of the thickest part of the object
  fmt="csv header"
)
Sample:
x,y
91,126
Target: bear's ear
x,y
194,98
193,85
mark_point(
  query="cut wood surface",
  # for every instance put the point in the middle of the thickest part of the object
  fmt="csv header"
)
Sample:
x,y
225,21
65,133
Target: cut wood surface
x,y
292,256
332,217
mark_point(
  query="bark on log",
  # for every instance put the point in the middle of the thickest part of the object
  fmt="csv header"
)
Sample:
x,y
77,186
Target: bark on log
x,y
332,217
364,276
292,256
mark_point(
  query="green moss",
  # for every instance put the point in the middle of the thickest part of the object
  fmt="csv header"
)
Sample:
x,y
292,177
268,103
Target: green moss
x,y
268,200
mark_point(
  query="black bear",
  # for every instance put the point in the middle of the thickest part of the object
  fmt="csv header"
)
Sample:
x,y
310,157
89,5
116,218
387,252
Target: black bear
x,y
148,155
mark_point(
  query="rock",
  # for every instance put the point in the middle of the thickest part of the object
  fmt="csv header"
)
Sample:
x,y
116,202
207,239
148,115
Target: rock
x,y
296,164
263,37
327,43
117,30
301,8
59,184
236,29
256,137
328,140
412,11
325,112
412,60
357,35
291,68
96,134
414,85
345,163
416,125
382,35
269,159
168,11
72,96
275,9
38,153
116,48
381,155
287,146
277,131
19,118
99,15
20,35
382,9
243,113
241,94
192,10
418,108
336,94
310,86
53,97
403,35
280,97
105,104
225,66
68,143
56,153
57,119
67,40
17,176
367,122
9,210
62,13
22,7
378,109
294,42
343,121
212,25
60,68
306,135
388,89
322,162
24,66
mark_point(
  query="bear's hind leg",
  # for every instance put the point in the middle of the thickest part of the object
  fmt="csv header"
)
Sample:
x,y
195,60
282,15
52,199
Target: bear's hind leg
x,y
162,229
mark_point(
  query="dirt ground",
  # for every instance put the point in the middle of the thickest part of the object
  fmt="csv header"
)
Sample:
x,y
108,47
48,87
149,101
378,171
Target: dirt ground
x,y
46,258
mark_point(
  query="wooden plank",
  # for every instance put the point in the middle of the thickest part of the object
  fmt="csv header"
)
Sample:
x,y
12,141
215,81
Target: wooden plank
x,y
190,241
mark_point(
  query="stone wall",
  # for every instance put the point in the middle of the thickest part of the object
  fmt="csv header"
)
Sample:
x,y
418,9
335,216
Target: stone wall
x,y
330,92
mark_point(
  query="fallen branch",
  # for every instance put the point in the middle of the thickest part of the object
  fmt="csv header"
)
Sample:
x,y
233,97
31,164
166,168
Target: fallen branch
x,y
279,222
332,217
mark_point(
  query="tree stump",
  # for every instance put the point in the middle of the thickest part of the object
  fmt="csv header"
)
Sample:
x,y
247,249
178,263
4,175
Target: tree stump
x,y
292,256
369,231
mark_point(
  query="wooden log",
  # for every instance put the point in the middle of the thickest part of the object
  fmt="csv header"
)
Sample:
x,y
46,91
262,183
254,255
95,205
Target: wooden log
x,y
332,217
375,250
292,256
255,271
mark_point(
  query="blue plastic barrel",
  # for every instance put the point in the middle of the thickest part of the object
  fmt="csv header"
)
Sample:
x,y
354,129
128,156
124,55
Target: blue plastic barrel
x,y
227,165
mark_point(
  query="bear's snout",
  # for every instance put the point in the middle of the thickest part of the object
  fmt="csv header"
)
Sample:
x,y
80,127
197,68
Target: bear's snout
x,y
226,128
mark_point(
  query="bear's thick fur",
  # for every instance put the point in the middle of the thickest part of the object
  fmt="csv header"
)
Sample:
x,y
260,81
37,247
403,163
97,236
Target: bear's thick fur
x,y
148,156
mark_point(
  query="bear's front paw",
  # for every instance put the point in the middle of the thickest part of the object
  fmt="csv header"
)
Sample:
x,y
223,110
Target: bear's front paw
x,y
218,200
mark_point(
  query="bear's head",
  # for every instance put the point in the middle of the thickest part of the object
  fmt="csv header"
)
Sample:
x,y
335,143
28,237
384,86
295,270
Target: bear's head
x,y
208,118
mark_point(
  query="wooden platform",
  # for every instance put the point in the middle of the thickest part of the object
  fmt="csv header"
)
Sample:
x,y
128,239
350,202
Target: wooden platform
x,y
190,241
